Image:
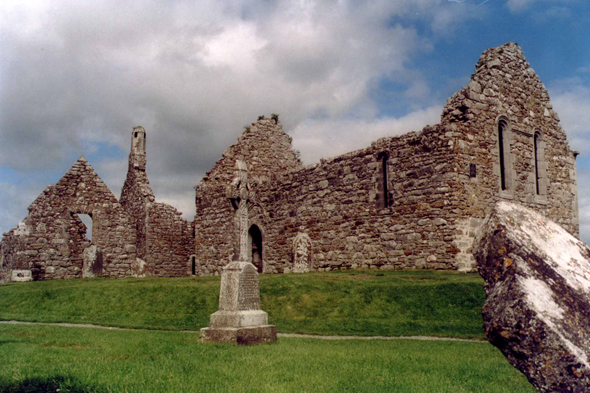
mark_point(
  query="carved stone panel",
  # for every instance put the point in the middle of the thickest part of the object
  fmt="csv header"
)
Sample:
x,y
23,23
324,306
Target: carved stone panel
x,y
302,254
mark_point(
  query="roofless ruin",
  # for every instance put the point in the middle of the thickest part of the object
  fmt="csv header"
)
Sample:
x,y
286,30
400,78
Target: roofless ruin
x,y
409,201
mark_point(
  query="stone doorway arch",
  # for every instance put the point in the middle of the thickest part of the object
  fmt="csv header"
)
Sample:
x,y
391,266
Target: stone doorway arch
x,y
255,242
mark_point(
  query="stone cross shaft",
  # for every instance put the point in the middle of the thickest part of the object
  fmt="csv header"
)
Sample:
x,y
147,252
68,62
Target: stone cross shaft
x,y
239,194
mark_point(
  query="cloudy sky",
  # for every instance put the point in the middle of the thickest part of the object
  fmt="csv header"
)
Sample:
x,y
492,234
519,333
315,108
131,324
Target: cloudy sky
x,y
77,76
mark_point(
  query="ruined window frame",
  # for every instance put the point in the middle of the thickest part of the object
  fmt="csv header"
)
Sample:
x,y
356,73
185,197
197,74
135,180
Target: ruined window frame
x,y
192,261
503,133
382,185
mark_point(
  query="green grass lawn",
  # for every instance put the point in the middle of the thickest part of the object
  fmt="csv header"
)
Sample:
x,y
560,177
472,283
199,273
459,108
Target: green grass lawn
x,y
341,303
48,358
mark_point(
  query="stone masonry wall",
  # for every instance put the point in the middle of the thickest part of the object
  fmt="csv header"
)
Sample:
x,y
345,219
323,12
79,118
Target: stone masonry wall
x,y
504,88
411,201
170,242
440,183
267,150
51,239
337,203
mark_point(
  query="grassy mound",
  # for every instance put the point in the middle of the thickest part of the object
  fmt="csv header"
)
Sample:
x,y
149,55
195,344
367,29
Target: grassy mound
x,y
336,303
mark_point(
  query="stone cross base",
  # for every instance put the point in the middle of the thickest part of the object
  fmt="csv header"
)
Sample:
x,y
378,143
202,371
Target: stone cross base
x,y
241,336
239,319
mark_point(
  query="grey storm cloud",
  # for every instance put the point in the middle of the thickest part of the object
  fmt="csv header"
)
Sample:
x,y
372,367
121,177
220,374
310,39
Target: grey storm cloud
x,y
193,75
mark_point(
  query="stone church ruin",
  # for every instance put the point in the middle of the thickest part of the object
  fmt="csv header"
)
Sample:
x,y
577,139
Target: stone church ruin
x,y
409,201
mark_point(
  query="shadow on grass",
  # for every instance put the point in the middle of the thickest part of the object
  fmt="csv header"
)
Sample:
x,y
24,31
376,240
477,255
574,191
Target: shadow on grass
x,y
54,384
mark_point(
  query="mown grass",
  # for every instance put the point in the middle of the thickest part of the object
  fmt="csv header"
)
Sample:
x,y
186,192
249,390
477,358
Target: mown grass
x,y
336,303
47,358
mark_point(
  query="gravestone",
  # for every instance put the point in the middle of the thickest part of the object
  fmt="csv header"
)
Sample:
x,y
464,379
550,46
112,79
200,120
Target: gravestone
x,y
239,319
92,265
302,253
537,310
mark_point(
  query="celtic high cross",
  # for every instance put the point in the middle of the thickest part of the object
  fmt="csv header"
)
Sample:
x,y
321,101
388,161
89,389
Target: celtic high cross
x,y
239,194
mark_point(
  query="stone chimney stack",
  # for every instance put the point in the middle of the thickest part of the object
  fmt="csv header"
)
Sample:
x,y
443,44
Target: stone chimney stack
x,y
137,158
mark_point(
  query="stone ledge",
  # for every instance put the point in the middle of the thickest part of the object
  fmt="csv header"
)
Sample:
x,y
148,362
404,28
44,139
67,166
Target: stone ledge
x,y
240,336
236,319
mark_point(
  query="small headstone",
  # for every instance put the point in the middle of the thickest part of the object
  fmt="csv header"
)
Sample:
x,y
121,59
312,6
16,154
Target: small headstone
x,y
537,311
302,254
92,265
21,275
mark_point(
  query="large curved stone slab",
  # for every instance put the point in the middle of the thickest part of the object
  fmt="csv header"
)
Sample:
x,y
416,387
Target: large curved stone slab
x,y
537,312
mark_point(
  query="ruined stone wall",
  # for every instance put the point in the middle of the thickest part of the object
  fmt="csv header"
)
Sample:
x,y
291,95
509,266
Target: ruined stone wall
x,y
440,183
267,150
13,251
336,202
137,192
412,201
340,204
505,89
170,242
51,239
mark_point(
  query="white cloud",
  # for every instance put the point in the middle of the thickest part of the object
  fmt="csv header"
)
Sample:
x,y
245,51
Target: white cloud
x,y
571,100
314,138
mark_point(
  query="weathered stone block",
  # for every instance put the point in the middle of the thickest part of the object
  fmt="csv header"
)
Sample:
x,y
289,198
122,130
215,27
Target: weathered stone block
x,y
240,336
21,275
537,310
93,263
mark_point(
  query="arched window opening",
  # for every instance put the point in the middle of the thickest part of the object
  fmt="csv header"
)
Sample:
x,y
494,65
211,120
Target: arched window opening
x,y
501,135
255,240
537,140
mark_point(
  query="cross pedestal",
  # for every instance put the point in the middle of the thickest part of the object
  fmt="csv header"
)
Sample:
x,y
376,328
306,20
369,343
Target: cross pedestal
x,y
239,319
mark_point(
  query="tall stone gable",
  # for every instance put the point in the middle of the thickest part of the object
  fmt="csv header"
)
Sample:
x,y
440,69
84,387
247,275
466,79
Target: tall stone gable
x,y
51,239
266,148
534,166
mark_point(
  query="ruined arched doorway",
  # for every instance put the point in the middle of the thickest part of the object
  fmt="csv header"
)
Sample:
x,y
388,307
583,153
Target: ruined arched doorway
x,y
255,241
